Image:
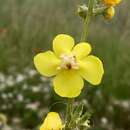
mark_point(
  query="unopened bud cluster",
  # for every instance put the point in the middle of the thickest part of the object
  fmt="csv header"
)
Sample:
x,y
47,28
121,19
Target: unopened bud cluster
x,y
106,8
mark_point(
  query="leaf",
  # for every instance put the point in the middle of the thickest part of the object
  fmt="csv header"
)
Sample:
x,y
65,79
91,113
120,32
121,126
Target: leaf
x,y
84,120
78,111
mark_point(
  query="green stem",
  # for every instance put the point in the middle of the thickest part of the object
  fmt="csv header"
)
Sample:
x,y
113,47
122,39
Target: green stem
x,y
69,111
87,20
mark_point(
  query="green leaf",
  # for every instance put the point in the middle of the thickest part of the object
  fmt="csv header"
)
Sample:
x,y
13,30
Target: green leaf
x,y
78,111
84,120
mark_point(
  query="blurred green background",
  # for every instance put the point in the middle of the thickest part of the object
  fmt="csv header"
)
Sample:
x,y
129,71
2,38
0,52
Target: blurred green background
x,y
28,27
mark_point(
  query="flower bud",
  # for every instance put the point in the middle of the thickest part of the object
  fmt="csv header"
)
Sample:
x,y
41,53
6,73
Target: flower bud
x,y
82,11
109,13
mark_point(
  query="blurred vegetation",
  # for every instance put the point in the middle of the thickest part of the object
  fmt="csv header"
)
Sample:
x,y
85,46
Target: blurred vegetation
x,y
27,27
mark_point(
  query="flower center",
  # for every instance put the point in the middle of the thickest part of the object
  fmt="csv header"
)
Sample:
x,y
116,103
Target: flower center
x,y
68,62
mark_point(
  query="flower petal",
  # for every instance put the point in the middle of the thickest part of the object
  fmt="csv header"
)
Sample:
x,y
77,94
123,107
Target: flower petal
x,y
46,63
91,69
68,83
62,44
52,122
81,50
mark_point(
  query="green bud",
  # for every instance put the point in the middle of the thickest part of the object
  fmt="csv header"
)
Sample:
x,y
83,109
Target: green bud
x,y
82,11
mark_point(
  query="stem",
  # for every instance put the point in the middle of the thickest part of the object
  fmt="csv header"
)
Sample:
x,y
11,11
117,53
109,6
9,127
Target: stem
x,y
69,111
87,20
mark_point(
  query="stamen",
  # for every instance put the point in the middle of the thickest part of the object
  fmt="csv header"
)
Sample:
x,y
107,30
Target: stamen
x,y
68,62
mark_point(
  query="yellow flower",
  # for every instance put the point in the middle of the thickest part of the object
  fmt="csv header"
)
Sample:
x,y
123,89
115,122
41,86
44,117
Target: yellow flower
x,y
69,65
111,2
109,13
52,122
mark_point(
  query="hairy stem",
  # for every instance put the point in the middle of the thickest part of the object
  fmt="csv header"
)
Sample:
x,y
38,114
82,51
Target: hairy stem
x,y
87,20
69,111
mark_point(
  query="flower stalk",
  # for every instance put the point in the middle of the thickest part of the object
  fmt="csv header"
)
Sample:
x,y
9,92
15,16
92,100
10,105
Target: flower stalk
x,y
69,110
87,20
